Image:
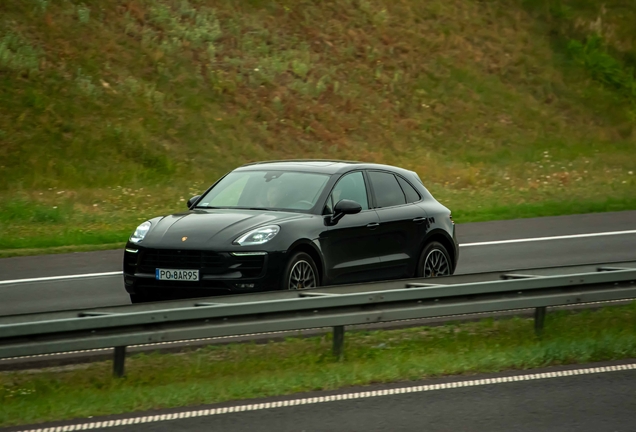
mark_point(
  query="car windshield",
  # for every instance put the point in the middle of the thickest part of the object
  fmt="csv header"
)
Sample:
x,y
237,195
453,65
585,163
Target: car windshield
x,y
278,190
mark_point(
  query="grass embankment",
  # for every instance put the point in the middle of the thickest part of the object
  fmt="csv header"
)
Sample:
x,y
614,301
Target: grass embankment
x,y
241,371
114,112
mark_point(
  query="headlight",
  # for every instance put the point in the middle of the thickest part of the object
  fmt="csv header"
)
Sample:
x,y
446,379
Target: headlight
x,y
258,236
140,232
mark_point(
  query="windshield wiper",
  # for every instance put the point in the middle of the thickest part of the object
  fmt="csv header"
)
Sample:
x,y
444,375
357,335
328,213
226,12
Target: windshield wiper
x,y
238,208
253,208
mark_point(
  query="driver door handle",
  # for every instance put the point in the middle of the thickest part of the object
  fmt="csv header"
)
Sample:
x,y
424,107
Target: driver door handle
x,y
419,220
373,225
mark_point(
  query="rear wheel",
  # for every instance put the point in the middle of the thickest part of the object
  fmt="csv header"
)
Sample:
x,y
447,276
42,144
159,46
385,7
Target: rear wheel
x,y
434,261
300,273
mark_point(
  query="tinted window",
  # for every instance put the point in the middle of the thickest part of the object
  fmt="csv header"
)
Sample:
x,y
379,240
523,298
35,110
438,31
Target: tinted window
x,y
351,187
409,191
286,190
386,188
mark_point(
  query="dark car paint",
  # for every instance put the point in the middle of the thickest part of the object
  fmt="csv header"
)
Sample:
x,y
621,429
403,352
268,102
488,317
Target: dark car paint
x,y
350,249
374,244
216,228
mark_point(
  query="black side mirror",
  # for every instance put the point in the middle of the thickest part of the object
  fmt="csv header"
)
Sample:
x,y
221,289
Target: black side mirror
x,y
192,200
344,207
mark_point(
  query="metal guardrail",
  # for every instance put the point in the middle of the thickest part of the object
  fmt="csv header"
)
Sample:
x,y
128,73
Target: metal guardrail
x,y
135,325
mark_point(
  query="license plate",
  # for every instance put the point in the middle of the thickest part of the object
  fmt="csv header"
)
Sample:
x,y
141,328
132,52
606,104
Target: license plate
x,y
177,275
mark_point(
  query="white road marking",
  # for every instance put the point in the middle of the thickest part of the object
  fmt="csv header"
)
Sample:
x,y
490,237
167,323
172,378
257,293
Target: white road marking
x,y
563,237
332,398
54,278
487,243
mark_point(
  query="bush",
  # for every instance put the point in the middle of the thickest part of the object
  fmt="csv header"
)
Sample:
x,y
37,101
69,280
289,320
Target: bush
x,y
602,65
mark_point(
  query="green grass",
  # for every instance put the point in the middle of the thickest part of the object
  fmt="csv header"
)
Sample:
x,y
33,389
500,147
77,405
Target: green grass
x,y
546,208
241,371
62,232
504,108
9,253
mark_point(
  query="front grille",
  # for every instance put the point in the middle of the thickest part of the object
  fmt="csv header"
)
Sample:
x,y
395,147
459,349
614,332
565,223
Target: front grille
x,y
180,259
250,263
210,263
130,262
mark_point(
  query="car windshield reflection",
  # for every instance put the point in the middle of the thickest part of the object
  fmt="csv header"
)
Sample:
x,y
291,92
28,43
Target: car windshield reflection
x,y
266,190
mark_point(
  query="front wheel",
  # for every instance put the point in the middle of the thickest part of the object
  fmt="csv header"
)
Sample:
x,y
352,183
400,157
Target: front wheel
x,y
300,273
434,261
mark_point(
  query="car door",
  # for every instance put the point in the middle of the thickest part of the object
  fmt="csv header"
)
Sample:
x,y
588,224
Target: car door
x,y
402,223
350,247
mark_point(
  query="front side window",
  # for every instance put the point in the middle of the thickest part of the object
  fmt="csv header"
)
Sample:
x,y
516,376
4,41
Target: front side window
x,y
386,189
351,187
278,190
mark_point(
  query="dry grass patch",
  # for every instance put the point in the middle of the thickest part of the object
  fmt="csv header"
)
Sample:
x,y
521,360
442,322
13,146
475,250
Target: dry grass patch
x,y
108,101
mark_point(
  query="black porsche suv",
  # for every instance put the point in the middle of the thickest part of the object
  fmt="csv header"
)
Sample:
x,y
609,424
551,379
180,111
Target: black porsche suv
x,y
292,225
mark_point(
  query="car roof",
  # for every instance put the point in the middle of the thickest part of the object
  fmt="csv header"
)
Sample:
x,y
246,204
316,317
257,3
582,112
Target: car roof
x,y
323,166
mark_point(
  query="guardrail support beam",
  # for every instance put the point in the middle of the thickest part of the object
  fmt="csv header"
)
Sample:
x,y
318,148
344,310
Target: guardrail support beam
x,y
539,320
94,314
606,268
338,342
119,359
510,276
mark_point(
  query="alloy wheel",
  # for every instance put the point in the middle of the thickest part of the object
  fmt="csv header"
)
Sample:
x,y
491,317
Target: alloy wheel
x,y
302,276
436,264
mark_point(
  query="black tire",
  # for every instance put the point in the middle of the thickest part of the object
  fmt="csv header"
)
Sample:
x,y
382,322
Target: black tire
x,y
434,261
298,265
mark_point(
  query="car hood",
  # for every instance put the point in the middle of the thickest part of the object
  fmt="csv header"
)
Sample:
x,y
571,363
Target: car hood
x,y
207,228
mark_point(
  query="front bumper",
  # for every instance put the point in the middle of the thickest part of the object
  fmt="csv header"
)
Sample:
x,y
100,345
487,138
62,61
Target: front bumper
x,y
219,272
456,247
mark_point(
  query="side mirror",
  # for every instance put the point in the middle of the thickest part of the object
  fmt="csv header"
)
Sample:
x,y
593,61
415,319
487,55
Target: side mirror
x,y
192,200
344,207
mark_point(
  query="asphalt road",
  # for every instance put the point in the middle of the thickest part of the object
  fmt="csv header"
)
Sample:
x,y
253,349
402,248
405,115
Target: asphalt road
x,y
107,290
589,398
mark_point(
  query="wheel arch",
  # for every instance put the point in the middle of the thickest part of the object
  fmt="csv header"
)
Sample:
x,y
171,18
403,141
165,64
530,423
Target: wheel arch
x,y
445,240
308,247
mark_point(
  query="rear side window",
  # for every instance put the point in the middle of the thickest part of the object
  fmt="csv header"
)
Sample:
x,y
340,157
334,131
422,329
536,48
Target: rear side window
x,y
410,192
386,188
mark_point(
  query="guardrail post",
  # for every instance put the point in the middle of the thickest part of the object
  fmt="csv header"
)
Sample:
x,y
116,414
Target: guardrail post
x,y
119,358
539,319
338,341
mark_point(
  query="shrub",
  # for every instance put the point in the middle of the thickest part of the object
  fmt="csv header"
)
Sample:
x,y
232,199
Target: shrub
x,y
603,67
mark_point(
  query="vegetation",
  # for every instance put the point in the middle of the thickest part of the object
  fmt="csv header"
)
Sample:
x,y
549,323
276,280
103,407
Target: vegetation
x,y
114,112
241,371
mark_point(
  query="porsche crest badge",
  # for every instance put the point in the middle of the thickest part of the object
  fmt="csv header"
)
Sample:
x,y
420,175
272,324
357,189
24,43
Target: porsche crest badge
x,y
184,239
